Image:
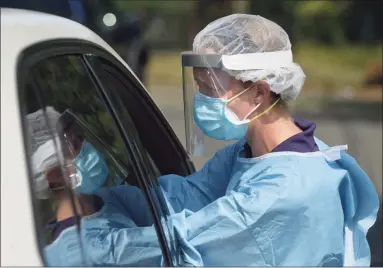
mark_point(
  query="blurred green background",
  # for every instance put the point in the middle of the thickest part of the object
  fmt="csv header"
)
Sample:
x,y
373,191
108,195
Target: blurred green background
x,y
338,43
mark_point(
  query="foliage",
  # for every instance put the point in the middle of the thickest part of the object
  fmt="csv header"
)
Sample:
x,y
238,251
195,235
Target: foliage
x,y
327,68
330,22
164,6
319,20
330,69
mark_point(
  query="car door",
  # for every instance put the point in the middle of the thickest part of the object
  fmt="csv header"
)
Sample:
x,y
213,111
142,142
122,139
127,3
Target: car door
x,y
57,74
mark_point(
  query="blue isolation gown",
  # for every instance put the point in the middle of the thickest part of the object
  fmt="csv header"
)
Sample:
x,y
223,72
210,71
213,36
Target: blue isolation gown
x,y
283,208
120,233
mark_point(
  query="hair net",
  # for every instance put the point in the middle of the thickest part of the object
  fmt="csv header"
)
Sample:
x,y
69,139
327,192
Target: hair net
x,y
41,127
44,143
242,34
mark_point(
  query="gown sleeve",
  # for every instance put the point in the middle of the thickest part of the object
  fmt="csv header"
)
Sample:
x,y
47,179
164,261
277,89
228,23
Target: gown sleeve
x,y
134,203
230,224
202,187
232,220
131,247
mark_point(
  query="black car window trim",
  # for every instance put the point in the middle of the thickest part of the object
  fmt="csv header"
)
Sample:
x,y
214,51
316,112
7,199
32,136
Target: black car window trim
x,y
94,66
84,47
167,163
97,68
117,71
74,47
136,152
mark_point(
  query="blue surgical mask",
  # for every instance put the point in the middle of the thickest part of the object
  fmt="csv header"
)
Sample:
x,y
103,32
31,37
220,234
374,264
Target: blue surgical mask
x,y
92,169
216,120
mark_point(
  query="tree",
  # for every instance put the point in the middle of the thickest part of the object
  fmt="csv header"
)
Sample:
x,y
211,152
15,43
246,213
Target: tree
x,y
279,11
209,10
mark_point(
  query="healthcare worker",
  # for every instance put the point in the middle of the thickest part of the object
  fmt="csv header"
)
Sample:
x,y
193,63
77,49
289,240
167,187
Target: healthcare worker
x,y
277,196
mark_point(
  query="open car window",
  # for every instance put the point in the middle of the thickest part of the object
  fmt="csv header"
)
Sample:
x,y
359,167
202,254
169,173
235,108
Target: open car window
x,y
91,210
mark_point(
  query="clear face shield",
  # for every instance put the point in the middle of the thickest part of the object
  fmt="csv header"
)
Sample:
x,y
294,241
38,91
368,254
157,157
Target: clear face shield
x,y
218,106
202,75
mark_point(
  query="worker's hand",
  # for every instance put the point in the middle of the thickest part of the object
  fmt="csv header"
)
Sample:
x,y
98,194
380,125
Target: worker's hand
x,y
56,178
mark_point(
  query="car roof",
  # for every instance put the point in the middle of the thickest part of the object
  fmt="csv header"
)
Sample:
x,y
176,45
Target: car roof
x,y
19,30
23,28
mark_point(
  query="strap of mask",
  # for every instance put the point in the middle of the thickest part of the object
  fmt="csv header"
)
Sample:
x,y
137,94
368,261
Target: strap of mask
x,y
256,107
245,90
265,111
239,94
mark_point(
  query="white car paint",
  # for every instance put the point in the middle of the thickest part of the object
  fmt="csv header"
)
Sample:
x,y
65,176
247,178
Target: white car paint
x,y
19,30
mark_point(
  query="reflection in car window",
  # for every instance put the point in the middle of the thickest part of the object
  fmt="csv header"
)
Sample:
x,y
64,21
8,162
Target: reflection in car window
x,y
115,84
90,212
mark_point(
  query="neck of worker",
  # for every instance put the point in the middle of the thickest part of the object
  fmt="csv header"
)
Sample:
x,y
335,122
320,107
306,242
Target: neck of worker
x,y
83,205
270,130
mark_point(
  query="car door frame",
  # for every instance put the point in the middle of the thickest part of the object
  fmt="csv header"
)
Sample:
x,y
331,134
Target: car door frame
x,y
65,47
77,47
97,67
141,111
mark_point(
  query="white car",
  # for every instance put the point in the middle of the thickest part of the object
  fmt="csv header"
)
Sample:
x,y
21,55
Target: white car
x,y
49,61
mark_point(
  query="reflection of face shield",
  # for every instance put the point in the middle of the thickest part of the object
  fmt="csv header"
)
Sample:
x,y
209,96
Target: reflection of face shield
x,y
72,143
90,165
214,108
89,154
71,134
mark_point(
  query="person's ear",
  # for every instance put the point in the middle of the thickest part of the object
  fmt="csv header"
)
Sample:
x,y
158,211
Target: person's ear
x,y
262,90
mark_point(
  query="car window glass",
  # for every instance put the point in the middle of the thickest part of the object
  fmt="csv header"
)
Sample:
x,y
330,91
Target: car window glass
x,y
115,84
91,210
